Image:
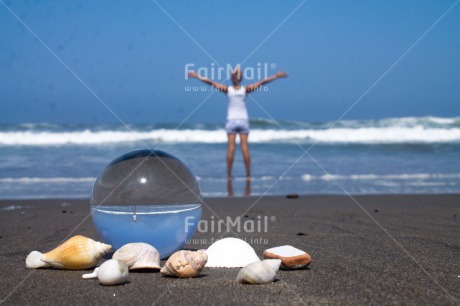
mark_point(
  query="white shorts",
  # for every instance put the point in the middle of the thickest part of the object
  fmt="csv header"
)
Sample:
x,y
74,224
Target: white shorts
x,y
237,126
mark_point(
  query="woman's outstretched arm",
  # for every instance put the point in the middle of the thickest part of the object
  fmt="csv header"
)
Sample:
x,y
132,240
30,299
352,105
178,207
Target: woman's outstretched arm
x,y
254,86
221,87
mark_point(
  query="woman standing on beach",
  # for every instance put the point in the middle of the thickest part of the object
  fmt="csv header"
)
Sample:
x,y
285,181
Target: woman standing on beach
x,y
237,115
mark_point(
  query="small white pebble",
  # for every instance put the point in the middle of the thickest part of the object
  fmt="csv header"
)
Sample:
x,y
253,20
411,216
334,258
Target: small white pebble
x,y
114,294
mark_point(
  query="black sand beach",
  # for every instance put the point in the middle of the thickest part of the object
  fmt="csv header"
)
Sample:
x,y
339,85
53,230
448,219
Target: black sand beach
x,y
395,249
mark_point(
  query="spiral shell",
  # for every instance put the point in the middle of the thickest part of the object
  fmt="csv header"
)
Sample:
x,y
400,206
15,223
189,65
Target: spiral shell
x,y
139,255
185,263
77,253
261,272
111,272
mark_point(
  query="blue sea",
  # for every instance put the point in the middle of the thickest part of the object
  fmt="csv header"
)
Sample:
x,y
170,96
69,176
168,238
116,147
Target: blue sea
x,y
386,156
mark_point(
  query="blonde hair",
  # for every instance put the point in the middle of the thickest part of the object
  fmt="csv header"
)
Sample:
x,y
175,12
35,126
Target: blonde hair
x,y
237,74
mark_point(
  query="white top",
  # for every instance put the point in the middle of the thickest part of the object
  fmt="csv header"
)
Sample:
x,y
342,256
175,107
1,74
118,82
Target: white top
x,y
236,103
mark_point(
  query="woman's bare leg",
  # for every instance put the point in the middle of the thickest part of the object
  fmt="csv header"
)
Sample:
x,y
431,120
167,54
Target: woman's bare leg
x,y
247,188
246,155
230,154
229,188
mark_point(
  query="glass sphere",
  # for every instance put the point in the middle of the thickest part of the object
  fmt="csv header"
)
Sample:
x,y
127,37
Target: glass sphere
x,y
146,196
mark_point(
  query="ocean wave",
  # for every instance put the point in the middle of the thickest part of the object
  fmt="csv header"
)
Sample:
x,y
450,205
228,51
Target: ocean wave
x,y
393,177
401,122
384,131
305,177
35,180
427,122
391,135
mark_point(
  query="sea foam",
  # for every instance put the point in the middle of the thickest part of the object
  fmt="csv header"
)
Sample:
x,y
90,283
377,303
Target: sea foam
x,y
417,130
388,135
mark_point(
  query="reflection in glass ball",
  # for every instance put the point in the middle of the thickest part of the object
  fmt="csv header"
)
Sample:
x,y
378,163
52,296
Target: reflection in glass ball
x,y
146,196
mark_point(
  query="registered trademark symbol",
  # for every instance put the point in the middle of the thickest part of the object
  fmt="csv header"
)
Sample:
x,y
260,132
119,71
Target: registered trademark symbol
x,y
272,218
273,66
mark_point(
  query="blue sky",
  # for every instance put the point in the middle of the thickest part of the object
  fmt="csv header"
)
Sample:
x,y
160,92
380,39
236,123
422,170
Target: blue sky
x,y
132,56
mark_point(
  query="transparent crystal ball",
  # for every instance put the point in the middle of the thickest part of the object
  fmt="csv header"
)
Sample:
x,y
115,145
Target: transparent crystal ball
x,y
146,196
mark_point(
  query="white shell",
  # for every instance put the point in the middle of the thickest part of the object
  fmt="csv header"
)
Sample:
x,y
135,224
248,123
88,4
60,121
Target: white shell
x,y
291,257
185,264
113,272
33,261
261,272
230,253
139,255
91,275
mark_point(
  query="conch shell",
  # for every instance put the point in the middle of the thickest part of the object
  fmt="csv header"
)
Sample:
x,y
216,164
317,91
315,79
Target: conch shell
x,y
139,255
261,272
77,253
110,273
185,263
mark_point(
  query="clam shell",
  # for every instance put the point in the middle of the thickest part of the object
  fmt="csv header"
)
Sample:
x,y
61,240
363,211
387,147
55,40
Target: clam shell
x,y
230,253
291,257
185,263
261,272
77,253
139,255
113,272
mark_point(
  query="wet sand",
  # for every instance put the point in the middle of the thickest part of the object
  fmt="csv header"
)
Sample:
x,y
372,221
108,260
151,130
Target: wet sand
x,y
395,249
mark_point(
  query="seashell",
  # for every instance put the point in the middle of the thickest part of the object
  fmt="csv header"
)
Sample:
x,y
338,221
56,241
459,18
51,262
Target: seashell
x,y
230,253
91,275
261,272
139,255
185,263
77,253
291,257
33,261
112,272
